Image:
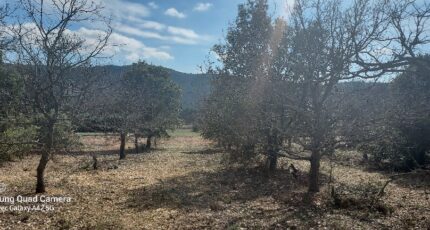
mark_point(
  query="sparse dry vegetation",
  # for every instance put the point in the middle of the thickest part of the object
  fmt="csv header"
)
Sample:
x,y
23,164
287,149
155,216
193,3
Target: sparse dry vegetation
x,y
183,184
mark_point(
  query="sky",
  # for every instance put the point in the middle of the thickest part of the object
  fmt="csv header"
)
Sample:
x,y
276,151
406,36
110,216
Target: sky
x,y
175,34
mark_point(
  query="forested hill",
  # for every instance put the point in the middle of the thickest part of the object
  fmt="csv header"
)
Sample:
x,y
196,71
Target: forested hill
x,y
194,86
197,86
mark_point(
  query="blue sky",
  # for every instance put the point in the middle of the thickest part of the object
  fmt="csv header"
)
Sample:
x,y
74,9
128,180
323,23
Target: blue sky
x,y
172,33
177,34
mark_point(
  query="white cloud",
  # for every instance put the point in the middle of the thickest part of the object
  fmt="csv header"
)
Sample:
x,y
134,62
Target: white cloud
x,y
143,23
201,7
171,34
122,9
120,47
153,25
138,32
133,50
124,48
186,33
174,13
153,5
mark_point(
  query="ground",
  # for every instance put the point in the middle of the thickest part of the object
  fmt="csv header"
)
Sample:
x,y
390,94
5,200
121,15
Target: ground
x,y
185,183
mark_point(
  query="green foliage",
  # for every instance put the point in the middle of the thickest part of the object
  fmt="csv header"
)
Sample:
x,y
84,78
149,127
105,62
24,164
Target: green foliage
x,y
230,113
17,133
143,100
17,139
65,137
152,100
402,138
11,92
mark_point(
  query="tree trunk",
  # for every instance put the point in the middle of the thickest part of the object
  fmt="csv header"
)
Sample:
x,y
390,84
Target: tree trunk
x,y
40,185
95,162
148,142
122,146
314,172
272,154
272,161
365,158
136,143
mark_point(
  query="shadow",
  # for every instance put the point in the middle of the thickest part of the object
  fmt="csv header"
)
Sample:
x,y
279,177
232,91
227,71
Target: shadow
x,y
204,151
108,152
415,180
220,190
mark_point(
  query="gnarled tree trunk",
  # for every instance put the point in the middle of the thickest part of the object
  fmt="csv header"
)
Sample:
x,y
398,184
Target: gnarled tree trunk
x,y
122,146
314,171
40,185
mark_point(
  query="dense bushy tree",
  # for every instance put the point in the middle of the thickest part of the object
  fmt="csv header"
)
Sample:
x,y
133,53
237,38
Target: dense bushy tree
x,y
143,101
231,110
152,101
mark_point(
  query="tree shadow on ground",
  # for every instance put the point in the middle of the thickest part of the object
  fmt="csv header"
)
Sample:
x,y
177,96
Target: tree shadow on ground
x,y
106,152
220,189
208,151
416,180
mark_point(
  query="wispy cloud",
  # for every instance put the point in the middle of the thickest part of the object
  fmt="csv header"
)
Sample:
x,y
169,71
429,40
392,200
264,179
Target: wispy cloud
x,y
153,5
121,9
121,47
172,12
171,34
125,48
201,7
138,32
186,33
153,25
146,24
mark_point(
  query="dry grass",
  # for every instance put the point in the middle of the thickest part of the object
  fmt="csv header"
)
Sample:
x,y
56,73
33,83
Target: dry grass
x,y
184,185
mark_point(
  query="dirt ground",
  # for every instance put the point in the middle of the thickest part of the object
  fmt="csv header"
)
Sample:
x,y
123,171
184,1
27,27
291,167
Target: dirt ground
x,y
186,184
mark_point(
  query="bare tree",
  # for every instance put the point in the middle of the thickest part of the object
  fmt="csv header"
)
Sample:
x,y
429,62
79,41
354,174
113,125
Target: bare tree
x,y
51,56
5,38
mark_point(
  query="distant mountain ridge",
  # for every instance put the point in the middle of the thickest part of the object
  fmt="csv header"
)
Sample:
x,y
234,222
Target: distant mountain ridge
x,y
194,87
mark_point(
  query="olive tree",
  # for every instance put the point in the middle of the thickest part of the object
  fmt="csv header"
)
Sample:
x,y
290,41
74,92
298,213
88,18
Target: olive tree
x,y
151,101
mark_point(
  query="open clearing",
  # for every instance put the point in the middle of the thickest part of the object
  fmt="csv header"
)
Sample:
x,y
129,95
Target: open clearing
x,y
185,184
